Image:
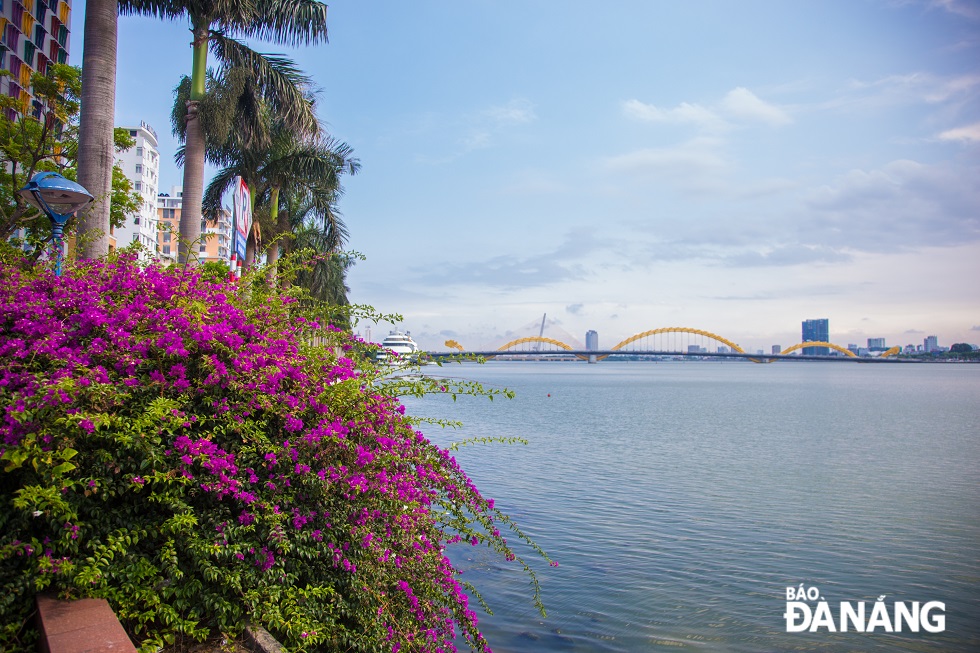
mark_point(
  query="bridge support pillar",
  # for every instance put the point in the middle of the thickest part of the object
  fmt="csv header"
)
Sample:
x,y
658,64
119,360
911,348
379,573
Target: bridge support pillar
x,y
593,359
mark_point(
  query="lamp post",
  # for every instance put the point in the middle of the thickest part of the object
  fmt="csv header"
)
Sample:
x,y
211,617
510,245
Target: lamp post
x,y
59,199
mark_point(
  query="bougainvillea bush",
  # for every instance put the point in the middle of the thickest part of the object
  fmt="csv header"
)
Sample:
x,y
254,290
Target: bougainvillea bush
x,y
177,446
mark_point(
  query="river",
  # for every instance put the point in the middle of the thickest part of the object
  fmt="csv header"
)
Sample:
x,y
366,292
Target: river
x,y
682,499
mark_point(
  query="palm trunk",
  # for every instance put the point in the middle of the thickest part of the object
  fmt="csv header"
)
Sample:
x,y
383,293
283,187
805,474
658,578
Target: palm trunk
x,y
95,137
272,254
250,250
193,192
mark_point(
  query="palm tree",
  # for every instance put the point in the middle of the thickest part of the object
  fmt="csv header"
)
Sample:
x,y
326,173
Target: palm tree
x,y
301,172
213,22
251,139
96,151
325,272
241,133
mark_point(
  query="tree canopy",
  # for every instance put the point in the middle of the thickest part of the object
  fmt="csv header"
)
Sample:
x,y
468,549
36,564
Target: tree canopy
x,y
48,141
214,25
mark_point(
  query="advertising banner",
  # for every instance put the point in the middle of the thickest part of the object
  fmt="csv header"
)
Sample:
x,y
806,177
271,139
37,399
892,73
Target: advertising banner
x,y
242,213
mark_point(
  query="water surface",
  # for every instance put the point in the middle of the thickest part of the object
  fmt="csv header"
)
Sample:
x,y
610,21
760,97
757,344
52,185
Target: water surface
x,y
681,499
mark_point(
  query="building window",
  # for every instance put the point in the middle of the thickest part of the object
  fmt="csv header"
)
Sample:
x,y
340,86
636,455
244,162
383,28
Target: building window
x,y
203,248
139,151
166,249
139,186
139,169
132,132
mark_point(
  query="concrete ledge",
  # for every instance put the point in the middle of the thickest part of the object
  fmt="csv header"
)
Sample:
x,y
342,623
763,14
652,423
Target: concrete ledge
x,y
258,640
83,626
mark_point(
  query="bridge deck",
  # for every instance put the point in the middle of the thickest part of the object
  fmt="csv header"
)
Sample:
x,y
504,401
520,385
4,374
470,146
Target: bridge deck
x,y
621,352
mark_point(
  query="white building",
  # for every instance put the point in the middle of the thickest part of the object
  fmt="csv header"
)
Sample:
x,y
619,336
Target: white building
x,y
141,164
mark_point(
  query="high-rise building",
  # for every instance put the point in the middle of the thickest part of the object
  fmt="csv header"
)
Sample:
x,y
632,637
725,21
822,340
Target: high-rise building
x,y
777,349
168,214
877,344
592,340
816,331
33,34
141,164
592,343
215,244
930,344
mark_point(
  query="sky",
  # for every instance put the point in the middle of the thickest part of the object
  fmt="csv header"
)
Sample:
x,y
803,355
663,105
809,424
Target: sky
x,y
735,167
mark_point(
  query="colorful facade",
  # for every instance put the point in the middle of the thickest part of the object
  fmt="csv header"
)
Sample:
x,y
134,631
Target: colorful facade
x,y
33,34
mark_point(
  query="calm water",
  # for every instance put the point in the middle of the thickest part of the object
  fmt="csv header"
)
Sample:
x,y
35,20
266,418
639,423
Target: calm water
x,y
681,499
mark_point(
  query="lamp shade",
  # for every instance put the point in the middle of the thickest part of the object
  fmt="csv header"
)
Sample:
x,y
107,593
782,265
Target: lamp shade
x,y
52,193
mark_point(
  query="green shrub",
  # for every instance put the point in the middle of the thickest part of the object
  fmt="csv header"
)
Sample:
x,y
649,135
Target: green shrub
x,y
173,444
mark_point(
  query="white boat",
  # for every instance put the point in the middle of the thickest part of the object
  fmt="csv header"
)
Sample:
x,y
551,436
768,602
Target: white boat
x,y
401,345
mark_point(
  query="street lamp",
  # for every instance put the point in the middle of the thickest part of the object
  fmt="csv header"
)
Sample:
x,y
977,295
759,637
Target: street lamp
x,y
59,199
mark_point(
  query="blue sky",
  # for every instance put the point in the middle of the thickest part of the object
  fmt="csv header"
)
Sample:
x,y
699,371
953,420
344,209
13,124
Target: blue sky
x,y
623,166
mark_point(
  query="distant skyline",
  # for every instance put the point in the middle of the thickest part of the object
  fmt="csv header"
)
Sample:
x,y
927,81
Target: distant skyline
x,y
733,167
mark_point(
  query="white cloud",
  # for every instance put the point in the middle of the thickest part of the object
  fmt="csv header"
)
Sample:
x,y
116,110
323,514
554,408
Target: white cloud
x,y
696,157
516,112
903,205
909,88
536,182
684,113
946,88
480,129
785,255
740,104
743,103
967,133
960,7
475,141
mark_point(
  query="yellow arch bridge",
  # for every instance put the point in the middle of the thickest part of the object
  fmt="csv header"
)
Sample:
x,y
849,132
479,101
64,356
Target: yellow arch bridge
x,y
664,341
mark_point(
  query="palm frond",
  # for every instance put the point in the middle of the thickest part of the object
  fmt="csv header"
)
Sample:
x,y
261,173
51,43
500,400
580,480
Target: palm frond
x,y
211,203
281,84
165,9
178,116
289,22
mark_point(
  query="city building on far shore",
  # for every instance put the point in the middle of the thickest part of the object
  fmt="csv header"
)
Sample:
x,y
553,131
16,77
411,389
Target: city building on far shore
x,y
592,340
877,344
592,343
816,331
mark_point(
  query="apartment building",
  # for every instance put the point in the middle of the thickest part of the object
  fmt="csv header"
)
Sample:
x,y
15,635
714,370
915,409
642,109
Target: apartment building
x,y
215,244
141,165
33,34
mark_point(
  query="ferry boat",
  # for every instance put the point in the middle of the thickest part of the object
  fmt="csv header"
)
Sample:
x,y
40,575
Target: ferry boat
x,y
398,343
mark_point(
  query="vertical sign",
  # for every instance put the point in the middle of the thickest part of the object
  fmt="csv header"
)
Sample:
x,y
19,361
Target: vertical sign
x,y
242,210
